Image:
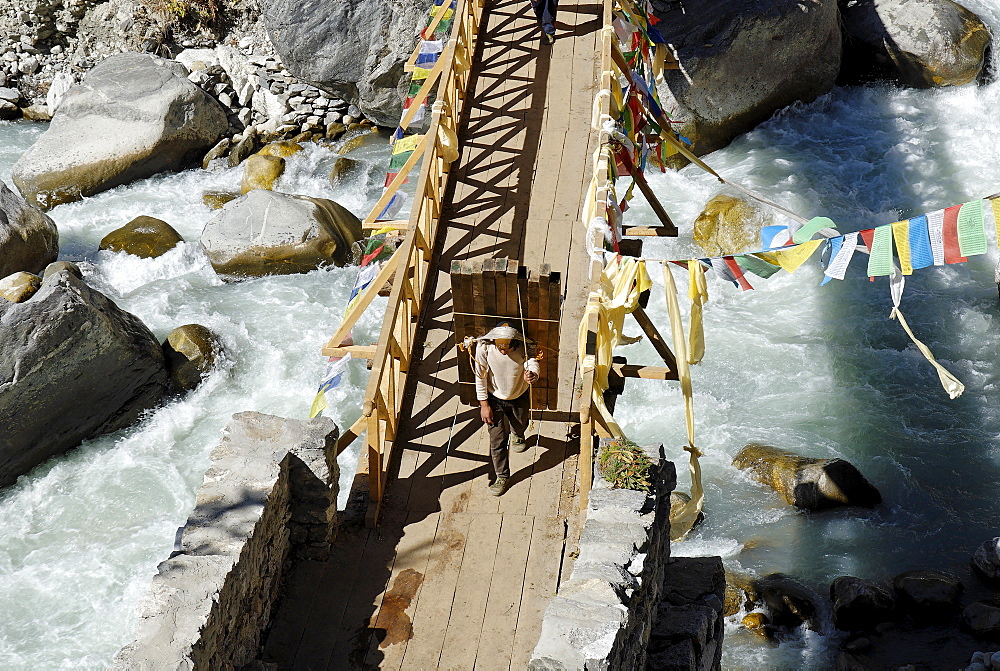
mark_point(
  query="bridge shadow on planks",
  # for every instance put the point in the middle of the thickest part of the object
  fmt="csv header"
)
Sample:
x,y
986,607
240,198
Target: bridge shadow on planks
x,y
402,595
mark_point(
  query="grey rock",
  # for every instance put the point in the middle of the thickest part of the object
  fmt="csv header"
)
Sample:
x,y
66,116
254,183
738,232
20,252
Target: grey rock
x,y
10,95
340,49
787,602
928,594
60,266
859,604
246,146
986,560
28,238
920,43
132,116
70,347
781,51
982,618
808,482
270,233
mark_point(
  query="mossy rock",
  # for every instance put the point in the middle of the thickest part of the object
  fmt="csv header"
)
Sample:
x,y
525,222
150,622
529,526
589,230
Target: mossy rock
x,y
281,149
216,199
730,225
304,136
191,352
244,148
758,624
335,130
807,482
145,237
261,171
345,169
360,138
59,266
19,287
218,151
36,113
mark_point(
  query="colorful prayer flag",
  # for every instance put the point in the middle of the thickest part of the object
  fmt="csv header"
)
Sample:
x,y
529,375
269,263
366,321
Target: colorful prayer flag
x,y
921,253
880,259
971,233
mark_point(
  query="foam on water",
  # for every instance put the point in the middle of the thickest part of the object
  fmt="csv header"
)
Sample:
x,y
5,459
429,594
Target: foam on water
x,y
83,533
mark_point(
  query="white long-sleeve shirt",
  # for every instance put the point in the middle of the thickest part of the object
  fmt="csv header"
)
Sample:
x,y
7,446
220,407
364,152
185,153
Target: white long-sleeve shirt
x,y
501,374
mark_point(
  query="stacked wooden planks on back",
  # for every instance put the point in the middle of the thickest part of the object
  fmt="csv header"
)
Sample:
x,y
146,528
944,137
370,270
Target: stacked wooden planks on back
x,y
490,291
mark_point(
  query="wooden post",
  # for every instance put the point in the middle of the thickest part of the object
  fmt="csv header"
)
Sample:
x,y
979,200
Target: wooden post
x,y
659,344
555,310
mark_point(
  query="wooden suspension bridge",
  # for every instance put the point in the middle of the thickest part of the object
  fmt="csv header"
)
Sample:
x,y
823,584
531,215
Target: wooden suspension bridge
x,y
444,575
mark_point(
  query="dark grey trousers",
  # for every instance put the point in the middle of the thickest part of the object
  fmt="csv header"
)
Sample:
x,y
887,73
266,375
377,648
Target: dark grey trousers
x,y
508,417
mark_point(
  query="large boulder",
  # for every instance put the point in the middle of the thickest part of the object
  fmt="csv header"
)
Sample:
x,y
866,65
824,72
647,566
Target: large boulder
x,y
787,602
920,43
807,482
354,49
859,604
730,224
145,237
72,366
29,240
261,171
742,60
191,352
270,233
132,116
928,595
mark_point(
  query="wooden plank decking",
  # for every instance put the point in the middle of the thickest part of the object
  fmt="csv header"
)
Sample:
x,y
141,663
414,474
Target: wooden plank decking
x,y
452,577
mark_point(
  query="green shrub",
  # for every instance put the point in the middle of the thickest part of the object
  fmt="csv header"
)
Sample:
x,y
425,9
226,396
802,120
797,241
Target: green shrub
x,y
625,465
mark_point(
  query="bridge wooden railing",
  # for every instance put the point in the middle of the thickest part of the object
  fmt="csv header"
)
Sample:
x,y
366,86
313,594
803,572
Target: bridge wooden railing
x,y
597,202
614,69
411,262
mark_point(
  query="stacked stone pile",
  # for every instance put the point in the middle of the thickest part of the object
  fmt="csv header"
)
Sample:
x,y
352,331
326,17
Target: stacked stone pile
x,y
258,93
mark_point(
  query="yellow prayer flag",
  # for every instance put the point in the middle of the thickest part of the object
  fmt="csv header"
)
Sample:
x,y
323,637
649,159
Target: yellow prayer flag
x,y
790,259
995,204
406,143
901,234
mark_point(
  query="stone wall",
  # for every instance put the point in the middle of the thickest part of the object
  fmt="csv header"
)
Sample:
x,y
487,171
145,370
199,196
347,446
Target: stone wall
x,y
269,497
688,630
603,615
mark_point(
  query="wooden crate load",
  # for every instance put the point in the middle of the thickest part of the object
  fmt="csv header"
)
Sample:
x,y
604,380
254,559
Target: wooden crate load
x,y
487,292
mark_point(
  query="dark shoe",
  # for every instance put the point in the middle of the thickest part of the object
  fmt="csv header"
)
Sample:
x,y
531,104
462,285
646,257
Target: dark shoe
x,y
517,443
548,38
499,487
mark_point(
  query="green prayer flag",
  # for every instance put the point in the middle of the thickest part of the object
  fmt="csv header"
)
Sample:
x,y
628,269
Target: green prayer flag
x,y
880,261
971,234
757,265
809,229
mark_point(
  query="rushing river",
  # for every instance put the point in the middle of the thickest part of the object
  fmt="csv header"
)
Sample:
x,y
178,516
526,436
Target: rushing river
x,y
818,370
821,370
82,534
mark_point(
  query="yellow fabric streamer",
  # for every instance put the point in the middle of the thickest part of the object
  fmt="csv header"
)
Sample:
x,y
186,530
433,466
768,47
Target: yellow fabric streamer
x,y
698,293
951,384
622,280
685,519
790,259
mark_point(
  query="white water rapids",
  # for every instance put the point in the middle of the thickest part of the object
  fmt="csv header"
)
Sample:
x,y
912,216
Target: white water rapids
x,y
818,370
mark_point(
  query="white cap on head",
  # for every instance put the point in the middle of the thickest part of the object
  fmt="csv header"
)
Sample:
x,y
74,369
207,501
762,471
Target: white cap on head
x,y
503,332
